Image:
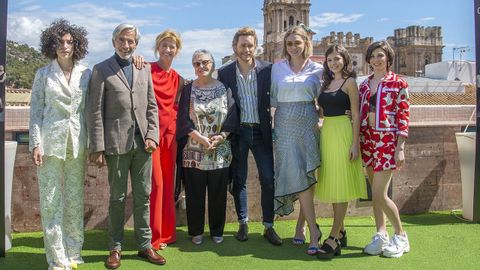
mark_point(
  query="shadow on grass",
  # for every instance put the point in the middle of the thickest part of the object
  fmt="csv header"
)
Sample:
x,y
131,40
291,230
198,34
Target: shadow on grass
x,y
256,247
434,218
23,260
27,241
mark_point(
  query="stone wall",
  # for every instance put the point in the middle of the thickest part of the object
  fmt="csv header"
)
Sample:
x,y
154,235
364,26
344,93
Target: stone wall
x,y
430,180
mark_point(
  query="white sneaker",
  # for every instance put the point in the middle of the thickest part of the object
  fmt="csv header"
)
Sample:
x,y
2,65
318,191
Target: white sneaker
x,y
397,246
197,239
378,244
217,239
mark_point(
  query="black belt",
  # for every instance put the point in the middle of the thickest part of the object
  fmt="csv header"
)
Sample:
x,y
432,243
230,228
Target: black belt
x,y
249,124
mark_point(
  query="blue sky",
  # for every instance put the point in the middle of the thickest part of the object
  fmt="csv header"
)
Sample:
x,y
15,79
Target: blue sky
x,y
211,24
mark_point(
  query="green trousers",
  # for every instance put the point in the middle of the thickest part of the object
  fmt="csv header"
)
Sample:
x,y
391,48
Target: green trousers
x,y
139,163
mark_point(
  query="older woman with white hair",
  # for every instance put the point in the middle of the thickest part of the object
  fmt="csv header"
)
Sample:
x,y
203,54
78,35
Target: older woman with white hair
x,y
205,123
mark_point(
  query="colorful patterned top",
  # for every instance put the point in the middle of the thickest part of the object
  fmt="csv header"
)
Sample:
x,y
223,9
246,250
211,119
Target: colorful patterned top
x,y
208,111
392,105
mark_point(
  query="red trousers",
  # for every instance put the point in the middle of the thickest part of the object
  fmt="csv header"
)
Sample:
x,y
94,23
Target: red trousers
x,y
162,202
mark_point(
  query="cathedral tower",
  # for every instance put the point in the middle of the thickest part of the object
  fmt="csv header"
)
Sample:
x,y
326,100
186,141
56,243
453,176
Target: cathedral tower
x,y
280,15
415,47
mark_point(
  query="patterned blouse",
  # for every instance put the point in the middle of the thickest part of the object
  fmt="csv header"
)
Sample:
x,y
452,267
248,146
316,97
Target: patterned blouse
x,y
208,111
57,110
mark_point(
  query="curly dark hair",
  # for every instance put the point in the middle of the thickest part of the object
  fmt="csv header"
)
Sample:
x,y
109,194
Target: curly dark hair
x,y
347,70
50,39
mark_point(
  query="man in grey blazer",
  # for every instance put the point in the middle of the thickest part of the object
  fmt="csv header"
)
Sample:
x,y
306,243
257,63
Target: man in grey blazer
x,y
122,121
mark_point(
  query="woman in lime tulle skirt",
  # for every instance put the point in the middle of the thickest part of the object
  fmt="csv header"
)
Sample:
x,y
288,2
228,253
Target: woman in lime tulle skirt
x,y
341,177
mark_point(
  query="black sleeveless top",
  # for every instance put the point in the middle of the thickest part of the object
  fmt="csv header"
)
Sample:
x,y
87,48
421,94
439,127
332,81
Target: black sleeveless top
x,y
334,103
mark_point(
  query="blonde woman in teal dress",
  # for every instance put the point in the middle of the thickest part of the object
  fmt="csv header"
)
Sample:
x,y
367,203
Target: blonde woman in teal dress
x,y
341,177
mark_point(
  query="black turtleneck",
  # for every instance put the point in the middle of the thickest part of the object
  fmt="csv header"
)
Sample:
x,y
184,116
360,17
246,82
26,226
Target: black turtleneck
x,y
126,66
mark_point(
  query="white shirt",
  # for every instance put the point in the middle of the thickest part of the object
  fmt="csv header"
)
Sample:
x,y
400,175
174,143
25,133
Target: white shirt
x,y
288,86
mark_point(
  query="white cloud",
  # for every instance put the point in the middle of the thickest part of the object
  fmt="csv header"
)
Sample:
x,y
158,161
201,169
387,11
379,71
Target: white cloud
x,y
25,2
427,19
143,5
192,4
455,45
25,27
24,30
329,18
32,8
422,21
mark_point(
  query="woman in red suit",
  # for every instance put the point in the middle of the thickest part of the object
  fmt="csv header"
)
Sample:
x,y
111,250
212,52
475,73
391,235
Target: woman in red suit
x,y
168,86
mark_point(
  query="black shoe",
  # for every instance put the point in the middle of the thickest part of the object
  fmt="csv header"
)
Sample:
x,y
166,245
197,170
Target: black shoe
x,y
242,234
326,251
343,239
272,236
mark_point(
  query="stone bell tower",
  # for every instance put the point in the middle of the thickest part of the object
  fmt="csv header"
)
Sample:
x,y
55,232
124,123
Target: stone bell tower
x,y
280,15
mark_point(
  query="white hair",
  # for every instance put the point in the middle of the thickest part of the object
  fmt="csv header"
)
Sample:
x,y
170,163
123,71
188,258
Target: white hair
x,y
125,26
204,52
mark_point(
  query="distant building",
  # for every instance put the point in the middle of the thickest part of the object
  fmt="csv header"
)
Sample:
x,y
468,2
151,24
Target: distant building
x,y
415,46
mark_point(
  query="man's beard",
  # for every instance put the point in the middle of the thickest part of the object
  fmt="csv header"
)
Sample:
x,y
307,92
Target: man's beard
x,y
128,56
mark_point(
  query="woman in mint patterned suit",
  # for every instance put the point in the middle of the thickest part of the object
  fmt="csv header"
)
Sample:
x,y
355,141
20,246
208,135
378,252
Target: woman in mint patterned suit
x,y
58,140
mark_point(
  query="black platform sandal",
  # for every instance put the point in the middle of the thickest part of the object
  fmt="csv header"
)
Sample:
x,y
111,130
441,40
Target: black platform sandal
x,y
343,239
326,252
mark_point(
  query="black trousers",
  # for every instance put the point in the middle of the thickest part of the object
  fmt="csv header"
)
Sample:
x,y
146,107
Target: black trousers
x,y
196,183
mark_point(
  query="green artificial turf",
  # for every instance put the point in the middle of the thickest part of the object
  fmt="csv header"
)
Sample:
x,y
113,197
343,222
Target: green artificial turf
x,y
438,241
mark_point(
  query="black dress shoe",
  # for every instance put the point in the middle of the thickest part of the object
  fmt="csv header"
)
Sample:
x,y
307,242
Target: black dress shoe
x,y
242,234
272,236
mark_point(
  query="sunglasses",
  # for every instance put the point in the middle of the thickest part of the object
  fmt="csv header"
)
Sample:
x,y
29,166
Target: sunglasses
x,y
203,63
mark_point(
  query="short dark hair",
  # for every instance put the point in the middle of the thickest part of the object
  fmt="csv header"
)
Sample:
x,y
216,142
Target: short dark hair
x,y
385,47
50,39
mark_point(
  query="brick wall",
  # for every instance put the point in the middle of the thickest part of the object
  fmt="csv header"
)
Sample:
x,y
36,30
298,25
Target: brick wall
x,y
430,180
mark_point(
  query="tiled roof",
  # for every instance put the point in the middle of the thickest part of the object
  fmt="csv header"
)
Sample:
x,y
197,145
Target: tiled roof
x,y
17,97
468,97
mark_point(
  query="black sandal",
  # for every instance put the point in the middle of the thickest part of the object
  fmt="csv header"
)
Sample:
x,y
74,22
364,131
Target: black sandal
x,y
343,239
326,252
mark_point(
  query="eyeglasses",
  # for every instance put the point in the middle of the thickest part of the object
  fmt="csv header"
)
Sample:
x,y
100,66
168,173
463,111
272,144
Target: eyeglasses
x,y
203,63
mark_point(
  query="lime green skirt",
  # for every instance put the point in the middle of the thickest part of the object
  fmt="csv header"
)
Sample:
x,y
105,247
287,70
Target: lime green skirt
x,y
339,178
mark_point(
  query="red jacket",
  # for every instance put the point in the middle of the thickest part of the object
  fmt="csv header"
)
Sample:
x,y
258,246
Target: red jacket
x,y
392,104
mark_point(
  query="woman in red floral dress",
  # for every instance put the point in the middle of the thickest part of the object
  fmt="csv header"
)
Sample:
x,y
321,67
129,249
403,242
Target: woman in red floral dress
x,y
384,115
